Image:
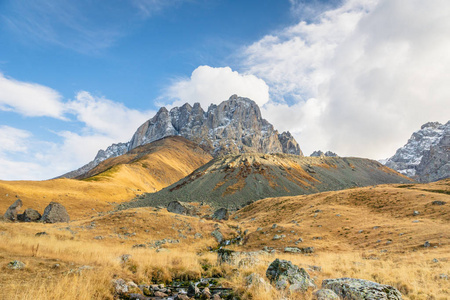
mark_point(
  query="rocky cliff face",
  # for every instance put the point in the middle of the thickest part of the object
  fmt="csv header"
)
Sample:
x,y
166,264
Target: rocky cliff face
x,y
425,157
233,126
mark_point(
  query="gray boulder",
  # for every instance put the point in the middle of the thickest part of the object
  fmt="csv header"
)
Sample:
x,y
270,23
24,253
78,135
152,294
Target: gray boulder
x,y
221,214
180,208
12,211
283,273
29,215
217,235
16,265
54,213
325,294
360,289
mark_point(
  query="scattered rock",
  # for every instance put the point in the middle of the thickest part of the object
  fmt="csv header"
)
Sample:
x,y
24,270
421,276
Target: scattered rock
x,y
217,235
277,237
29,215
427,244
12,211
274,226
443,276
435,260
221,214
160,294
283,273
41,233
351,288
54,213
437,202
292,250
193,291
325,294
120,287
416,213
180,208
16,265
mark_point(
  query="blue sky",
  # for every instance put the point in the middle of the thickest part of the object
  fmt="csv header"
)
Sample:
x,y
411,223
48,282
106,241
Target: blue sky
x,y
356,77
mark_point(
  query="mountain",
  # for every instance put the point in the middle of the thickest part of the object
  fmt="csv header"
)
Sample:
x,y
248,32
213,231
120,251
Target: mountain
x,y
233,126
147,168
426,155
320,153
234,181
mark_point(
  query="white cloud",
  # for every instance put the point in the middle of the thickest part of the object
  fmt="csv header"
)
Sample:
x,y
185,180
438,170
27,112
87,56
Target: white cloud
x,y
103,116
213,85
13,139
29,99
376,70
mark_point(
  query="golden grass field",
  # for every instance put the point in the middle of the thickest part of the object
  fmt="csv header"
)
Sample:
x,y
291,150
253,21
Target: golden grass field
x,y
146,169
388,250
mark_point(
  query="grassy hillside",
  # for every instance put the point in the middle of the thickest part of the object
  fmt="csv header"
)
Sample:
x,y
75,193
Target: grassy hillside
x,y
148,168
234,181
369,233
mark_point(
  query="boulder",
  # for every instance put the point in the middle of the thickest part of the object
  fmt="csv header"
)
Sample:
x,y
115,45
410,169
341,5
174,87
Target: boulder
x,y
29,215
16,265
54,213
180,208
360,289
221,214
283,273
325,294
217,235
11,212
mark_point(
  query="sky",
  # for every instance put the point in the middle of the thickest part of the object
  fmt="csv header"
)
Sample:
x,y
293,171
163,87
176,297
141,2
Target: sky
x,y
356,77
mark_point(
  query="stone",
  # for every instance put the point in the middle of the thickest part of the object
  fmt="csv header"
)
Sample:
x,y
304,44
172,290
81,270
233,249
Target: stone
x,y
277,237
182,297
427,244
217,235
42,233
180,208
221,214
360,289
135,296
274,226
16,265
437,202
325,294
193,291
29,215
416,213
292,250
283,273
54,213
160,294
12,211
120,286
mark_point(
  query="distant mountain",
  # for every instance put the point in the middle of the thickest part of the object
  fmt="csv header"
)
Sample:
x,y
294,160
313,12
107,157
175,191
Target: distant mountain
x,y
320,153
233,126
426,155
234,181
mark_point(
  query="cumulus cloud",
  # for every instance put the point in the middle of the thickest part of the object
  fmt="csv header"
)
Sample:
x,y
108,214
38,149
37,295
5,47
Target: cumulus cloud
x,y
107,117
29,99
213,85
13,139
376,70
99,123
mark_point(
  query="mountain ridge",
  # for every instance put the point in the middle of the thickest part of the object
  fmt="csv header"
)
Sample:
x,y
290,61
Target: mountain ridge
x,y
233,126
426,155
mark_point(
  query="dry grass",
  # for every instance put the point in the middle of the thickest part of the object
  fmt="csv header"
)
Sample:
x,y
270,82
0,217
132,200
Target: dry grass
x,y
341,251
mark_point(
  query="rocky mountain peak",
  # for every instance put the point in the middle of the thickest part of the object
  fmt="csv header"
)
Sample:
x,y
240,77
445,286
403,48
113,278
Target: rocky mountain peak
x,y
233,126
425,157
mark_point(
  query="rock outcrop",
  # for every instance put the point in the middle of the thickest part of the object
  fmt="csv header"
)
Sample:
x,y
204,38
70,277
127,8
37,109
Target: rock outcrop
x,y
425,157
29,215
233,126
12,212
54,213
284,275
177,207
359,289
321,154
